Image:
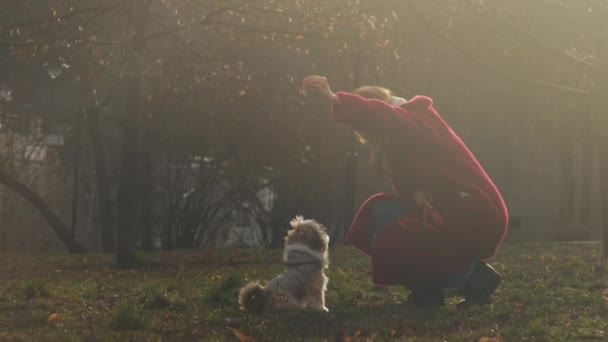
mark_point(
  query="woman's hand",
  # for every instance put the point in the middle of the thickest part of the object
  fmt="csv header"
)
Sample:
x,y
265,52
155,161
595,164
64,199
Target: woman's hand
x,y
321,85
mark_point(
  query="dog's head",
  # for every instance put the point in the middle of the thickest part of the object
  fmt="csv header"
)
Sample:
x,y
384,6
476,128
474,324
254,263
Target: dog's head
x,y
308,232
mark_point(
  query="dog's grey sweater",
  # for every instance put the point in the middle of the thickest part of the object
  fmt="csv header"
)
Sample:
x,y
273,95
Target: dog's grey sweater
x,y
301,263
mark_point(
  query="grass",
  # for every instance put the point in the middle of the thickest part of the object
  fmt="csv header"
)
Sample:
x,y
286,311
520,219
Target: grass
x,y
551,292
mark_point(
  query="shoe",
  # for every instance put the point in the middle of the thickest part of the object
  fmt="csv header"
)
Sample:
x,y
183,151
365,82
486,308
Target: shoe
x,y
427,297
481,284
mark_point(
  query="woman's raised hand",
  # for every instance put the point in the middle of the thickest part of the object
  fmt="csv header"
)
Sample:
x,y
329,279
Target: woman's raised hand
x,y
321,85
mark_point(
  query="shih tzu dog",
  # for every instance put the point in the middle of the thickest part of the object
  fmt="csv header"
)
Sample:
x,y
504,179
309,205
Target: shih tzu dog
x,y
303,283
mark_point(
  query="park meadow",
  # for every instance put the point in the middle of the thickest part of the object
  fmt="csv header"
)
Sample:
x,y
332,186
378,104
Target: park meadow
x,y
551,292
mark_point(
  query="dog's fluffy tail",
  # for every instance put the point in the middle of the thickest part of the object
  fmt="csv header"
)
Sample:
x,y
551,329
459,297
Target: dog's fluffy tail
x,y
252,297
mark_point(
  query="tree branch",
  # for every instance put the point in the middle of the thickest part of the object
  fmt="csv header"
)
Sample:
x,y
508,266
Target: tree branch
x,y
60,229
269,30
487,67
175,30
31,42
272,11
59,17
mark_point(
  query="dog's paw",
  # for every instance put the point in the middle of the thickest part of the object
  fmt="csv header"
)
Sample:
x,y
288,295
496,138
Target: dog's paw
x,y
318,307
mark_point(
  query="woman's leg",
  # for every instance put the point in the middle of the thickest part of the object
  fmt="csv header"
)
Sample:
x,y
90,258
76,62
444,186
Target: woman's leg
x,y
386,211
477,281
457,281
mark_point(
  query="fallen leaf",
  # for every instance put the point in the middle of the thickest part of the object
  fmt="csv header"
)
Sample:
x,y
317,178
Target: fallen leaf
x,y
53,317
496,338
605,295
242,337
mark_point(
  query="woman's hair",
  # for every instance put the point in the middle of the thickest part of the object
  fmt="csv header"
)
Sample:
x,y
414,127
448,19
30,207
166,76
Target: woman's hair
x,y
376,143
374,92
371,92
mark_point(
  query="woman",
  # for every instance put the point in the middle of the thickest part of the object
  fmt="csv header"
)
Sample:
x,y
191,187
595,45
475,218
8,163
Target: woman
x,y
445,216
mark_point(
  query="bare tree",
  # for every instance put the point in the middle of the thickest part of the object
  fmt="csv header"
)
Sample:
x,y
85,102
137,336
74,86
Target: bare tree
x,y
61,230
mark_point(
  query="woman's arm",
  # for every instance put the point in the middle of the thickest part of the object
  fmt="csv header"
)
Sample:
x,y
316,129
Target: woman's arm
x,y
321,85
374,116
379,118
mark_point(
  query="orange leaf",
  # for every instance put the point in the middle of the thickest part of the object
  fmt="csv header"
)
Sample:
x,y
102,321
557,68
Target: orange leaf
x,y
242,337
53,317
496,338
605,295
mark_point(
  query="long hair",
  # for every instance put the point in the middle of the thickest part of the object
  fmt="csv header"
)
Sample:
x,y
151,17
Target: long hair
x,y
374,92
376,143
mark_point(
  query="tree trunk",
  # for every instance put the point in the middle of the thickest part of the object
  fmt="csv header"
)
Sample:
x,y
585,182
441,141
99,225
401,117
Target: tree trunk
x,y
281,212
61,230
568,188
600,102
102,181
128,183
587,170
76,180
352,161
602,114
146,231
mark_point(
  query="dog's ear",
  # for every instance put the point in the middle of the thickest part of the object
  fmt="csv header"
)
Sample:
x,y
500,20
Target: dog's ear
x,y
315,239
308,235
298,220
289,235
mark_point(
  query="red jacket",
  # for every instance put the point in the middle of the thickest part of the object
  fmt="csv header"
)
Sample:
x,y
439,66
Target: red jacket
x,y
424,153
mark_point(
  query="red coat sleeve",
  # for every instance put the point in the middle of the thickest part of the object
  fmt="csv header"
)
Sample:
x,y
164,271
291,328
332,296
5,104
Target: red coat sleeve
x,y
410,128
383,119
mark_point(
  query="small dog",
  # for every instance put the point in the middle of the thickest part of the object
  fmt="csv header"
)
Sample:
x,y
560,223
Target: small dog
x,y
303,283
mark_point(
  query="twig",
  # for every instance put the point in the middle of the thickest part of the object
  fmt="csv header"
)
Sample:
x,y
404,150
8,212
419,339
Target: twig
x,y
487,67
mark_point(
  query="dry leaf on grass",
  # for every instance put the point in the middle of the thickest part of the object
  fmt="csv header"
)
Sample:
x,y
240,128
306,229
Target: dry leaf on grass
x,y
242,337
53,317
